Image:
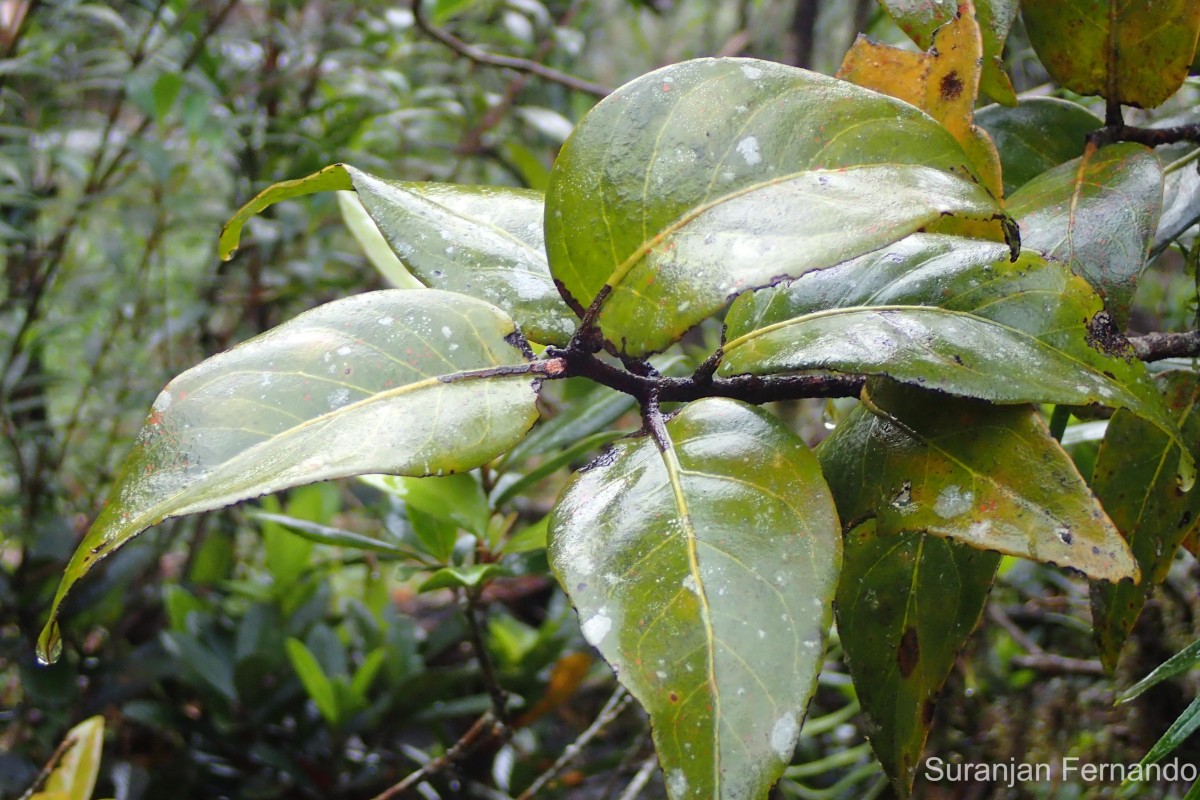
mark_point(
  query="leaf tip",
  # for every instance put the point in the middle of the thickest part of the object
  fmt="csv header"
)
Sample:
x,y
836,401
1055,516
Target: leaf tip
x,y
49,644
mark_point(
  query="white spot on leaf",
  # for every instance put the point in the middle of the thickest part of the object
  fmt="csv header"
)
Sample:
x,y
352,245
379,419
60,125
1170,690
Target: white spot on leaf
x,y
783,736
748,147
596,628
953,501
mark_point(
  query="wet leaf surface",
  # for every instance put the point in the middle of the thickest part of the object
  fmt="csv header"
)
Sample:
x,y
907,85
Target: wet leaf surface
x,y
988,476
408,372
1036,135
1136,53
1021,332
1098,213
706,178
482,241
704,575
920,18
906,604
1134,482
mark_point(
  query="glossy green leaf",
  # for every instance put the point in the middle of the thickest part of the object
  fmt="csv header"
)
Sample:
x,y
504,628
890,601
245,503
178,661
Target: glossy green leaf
x,y
710,177
76,772
704,575
431,379
485,242
1183,661
468,577
1021,332
920,18
316,682
1036,135
906,604
988,476
1133,52
1135,482
1098,213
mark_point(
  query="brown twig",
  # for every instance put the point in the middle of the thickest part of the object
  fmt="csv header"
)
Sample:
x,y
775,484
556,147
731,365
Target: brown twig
x,y
1059,665
485,728
1157,346
611,710
44,774
481,56
471,610
640,779
997,615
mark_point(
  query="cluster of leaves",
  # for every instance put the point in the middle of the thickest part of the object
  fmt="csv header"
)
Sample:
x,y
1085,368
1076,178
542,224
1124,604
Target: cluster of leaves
x,y
868,235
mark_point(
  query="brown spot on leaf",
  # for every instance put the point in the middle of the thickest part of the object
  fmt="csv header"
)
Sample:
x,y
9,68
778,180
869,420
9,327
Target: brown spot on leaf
x,y
909,652
951,86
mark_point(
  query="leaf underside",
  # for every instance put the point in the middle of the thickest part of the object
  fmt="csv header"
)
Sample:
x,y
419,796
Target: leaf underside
x,y
482,241
393,381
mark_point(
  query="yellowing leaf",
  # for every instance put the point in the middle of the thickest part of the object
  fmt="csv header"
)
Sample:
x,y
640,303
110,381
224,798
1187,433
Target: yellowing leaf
x,y
943,81
920,18
74,777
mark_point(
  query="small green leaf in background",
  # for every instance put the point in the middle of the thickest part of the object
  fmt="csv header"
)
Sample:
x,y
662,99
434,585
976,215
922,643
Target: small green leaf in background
x,y
1134,52
74,777
468,577
1036,135
679,191
704,574
988,476
1098,213
320,689
455,498
294,406
1134,481
906,604
920,18
324,534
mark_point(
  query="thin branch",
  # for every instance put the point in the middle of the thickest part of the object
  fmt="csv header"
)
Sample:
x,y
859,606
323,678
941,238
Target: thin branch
x,y
44,774
484,729
1151,137
997,615
640,780
1058,665
612,709
1157,346
475,633
481,56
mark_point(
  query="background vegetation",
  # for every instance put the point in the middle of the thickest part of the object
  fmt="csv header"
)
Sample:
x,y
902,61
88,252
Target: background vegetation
x,y
232,657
